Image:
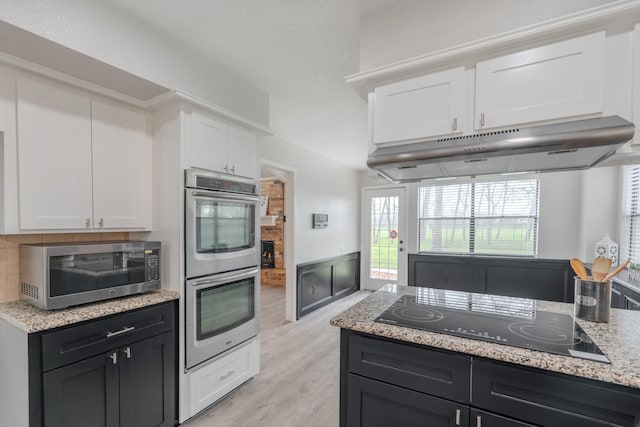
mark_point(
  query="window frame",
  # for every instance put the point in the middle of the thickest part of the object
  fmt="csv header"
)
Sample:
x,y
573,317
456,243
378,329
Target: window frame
x,y
473,218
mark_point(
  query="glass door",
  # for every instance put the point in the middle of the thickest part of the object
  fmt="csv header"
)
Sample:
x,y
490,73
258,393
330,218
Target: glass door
x,y
384,254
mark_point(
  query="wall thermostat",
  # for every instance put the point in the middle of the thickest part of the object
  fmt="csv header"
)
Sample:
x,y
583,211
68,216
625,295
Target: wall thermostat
x,y
320,220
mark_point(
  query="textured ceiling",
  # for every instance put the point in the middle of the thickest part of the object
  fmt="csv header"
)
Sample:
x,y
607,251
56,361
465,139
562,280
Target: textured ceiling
x,y
297,50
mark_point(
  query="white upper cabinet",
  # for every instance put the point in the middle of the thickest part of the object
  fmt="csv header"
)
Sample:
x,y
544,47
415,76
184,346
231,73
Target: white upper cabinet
x,y
54,157
559,80
242,152
218,146
420,107
121,167
208,143
82,163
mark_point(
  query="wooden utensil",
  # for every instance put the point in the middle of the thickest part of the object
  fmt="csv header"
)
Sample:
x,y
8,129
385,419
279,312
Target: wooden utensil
x,y
617,270
579,269
600,268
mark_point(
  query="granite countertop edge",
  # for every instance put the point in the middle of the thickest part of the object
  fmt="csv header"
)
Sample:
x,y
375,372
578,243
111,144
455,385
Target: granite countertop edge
x,y
31,319
623,370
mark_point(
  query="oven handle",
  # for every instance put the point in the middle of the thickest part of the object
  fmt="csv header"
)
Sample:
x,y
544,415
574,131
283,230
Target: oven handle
x,y
226,278
226,196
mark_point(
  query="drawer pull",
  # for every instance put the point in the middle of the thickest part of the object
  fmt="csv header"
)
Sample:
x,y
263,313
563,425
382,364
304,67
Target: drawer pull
x,y
227,375
458,413
120,332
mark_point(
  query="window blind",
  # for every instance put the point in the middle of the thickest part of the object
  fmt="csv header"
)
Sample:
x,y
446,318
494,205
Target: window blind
x,y
484,217
630,247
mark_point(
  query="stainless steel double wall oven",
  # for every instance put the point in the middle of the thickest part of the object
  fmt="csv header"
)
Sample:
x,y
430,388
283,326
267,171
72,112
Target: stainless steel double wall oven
x,y
221,263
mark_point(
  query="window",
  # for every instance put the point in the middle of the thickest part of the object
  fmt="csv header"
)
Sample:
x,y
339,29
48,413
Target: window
x,y
482,217
630,247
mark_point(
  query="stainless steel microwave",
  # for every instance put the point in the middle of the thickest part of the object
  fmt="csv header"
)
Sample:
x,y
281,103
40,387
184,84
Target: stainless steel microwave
x,y
54,276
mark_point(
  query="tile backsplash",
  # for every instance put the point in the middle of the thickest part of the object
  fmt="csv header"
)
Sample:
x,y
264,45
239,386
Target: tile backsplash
x,y
10,255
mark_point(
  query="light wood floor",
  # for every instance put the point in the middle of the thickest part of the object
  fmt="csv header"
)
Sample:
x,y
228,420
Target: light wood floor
x,y
298,384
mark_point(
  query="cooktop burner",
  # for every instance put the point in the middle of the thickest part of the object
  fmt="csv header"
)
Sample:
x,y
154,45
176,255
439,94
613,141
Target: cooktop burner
x,y
504,320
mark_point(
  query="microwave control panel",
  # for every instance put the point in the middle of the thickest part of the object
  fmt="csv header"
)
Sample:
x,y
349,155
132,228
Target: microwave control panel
x,y
152,262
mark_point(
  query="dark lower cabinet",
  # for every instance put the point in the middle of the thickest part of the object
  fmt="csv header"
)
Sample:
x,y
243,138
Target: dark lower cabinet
x,y
132,384
624,297
373,403
385,382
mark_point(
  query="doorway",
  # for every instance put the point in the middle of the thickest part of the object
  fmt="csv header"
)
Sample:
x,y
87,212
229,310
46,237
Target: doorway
x,y
384,237
278,234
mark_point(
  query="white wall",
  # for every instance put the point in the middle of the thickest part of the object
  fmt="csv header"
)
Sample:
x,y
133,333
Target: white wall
x,y
109,35
420,27
321,186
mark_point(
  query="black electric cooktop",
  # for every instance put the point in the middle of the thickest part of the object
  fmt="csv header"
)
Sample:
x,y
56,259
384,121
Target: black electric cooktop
x,y
498,319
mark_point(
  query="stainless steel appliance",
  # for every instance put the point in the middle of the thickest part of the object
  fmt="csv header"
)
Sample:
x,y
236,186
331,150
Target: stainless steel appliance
x,y
54,276
571,145
221,225
222,311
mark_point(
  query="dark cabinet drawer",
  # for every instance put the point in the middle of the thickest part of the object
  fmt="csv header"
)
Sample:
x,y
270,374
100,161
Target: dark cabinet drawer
x,y
548,399
427,371
376,404
485,419
75,343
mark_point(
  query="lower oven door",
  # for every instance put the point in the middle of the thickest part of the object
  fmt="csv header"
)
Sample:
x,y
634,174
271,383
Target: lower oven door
x,y
222,311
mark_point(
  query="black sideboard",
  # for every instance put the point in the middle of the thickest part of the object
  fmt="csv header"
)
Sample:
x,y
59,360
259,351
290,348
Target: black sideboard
x,y
546,279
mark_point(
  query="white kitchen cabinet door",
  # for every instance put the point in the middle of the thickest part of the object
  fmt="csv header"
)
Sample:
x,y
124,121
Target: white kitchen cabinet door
x,y
54,157
559,80
420,107
242,154
121,167
208,143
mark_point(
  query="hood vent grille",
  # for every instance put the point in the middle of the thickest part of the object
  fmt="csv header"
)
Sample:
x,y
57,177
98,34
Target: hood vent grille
x,y
572,145
478,135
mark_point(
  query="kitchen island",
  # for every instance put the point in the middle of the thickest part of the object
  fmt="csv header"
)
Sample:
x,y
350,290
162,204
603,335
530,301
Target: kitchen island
x,y
391,372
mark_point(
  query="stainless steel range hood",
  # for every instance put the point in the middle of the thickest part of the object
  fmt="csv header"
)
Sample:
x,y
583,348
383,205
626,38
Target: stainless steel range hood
x,y
563,146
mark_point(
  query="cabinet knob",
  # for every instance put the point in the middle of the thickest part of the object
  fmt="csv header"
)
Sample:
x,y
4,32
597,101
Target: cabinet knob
x,y
455,124
87,223
101,223
114,358
481,119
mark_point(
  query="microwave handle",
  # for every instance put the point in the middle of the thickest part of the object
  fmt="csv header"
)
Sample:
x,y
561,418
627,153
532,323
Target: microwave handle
x,y
226,278
227,196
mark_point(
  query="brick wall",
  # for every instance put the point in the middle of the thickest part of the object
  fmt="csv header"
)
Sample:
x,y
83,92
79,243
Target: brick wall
x,y
275,190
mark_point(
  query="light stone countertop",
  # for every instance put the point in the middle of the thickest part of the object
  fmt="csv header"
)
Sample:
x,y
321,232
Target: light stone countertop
x,y
619,339
30,318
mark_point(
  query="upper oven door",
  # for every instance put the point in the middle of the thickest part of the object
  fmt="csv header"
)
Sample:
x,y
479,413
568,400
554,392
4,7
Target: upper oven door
x,y
221,231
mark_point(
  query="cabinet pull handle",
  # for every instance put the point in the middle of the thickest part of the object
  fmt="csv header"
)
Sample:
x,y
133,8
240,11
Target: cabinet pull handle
x,y
478,421
481,119
233,169
114,358
87,223
227,375
127,352
101,223
226,168
120,332
458,413
455,123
